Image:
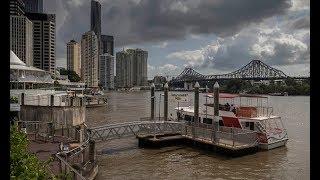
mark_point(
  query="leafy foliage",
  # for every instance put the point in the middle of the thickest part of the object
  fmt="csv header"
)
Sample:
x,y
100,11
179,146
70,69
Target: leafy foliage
x,y
290,86
72,75
24,165
13,99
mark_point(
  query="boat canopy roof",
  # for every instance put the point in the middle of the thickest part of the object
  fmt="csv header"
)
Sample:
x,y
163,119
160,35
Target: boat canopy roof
x,y
229,95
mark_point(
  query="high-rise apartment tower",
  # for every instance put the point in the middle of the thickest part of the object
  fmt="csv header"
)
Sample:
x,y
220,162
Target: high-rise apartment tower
x,y
73,57
106,71
89,59
44,37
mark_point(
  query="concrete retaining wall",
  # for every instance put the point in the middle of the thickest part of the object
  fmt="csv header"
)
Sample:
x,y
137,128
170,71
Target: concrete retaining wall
x,y
61,116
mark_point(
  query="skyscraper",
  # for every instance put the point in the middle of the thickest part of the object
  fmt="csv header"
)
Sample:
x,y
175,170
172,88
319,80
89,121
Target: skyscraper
x,y
44,56
89,59
33,6
124,69
131,68
73,57
140,66
17,7
107,71
107,44
96,17
21,38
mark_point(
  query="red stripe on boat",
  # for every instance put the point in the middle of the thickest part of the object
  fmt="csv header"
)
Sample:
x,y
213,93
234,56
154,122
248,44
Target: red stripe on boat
x,y
231,122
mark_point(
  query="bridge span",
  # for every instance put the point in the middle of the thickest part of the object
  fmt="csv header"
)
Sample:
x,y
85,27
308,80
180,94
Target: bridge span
x,y
254,70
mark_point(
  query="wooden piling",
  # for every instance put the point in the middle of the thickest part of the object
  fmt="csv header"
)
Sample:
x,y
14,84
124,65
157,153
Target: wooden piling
x,y
165,109
152,101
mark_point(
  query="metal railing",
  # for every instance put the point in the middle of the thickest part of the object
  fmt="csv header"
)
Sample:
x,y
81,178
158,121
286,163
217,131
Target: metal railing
x,y
229,136
119,130
226,136
45,100
69,157
75,155
264,111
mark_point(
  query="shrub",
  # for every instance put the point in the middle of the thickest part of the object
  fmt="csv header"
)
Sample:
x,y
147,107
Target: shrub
x,y
24,165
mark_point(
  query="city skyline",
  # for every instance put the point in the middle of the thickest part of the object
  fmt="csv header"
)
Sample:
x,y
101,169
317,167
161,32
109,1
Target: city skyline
x,y
175,36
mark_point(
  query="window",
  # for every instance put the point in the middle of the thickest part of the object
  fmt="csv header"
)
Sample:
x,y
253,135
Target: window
x,y
221,123
252,126
247,124
207,120
188,118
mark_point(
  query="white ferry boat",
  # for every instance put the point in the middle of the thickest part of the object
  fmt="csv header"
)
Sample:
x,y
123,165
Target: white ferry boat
x,y
242,111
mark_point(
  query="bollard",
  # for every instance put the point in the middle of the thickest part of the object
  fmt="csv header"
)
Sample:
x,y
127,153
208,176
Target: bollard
x,y
196,107
52,100
165,101
22,98
91,151
216,109
152,101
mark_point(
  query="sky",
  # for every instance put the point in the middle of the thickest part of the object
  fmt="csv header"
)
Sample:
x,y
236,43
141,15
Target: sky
x,y
211,36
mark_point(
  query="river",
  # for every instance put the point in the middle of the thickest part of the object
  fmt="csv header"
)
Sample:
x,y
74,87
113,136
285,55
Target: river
x,y
123,159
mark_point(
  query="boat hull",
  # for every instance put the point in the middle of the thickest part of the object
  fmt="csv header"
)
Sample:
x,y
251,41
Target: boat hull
x,y
272,145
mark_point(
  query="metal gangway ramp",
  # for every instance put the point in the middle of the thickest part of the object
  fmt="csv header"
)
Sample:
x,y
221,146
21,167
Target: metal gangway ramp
x,y
135,128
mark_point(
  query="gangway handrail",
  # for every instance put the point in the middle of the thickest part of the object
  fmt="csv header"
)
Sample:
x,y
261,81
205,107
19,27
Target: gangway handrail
x,y
69,166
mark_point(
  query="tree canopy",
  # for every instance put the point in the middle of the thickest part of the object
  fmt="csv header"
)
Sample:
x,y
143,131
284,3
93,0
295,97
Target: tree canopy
x,y
24,165
72,75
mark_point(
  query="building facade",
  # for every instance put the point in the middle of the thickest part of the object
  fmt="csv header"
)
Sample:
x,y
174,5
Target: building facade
x,y
107,43
44,55
89,59
96,17
33,6
96,20
124,70
21,38
17,7
131,68
74,57
106,69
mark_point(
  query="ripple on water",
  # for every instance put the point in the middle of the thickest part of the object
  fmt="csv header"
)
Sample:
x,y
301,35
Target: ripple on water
x,y
122,159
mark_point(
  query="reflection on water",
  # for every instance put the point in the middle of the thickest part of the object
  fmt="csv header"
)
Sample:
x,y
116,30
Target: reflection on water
x,y
122,159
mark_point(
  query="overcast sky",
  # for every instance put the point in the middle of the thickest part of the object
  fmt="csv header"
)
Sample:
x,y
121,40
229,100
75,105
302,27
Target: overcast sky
x,y
212,36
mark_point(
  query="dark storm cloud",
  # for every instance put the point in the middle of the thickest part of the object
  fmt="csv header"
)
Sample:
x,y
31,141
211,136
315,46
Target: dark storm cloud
x,y
152,21
301,23
134,21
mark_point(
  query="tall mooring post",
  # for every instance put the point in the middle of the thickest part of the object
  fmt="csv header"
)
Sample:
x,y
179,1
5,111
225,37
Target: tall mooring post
x,y
152,101
92,151
196,107
165,108
22,98
52,100
216,109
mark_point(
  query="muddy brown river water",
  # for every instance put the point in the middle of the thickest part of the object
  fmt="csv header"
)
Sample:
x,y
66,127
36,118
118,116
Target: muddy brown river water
x,y
123,159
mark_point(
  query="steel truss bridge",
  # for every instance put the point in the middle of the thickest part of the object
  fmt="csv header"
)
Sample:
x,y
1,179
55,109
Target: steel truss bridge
x,y
255,70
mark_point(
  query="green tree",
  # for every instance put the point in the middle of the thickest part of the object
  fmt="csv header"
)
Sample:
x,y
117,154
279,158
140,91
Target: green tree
x,y
290,81
72,75
24,165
